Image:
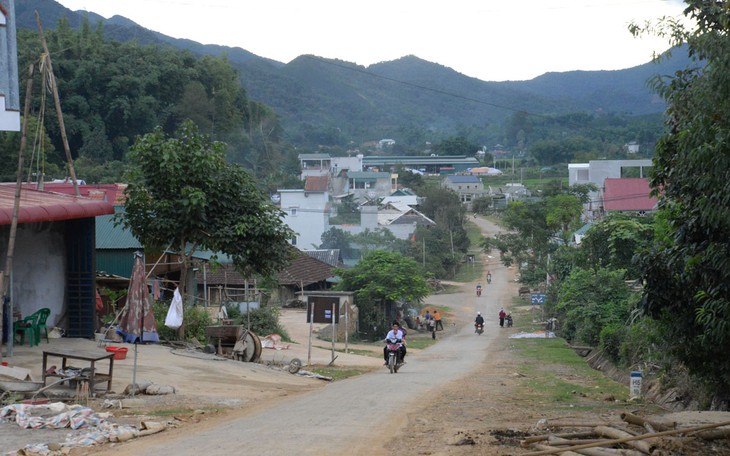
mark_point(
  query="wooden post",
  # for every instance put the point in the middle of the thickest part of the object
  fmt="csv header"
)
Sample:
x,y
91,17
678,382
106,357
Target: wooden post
x,y
311,328
57,101
347,323
5,277
334,332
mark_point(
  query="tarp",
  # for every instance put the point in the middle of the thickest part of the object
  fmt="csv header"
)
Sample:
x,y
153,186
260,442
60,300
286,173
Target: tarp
x,y
138,321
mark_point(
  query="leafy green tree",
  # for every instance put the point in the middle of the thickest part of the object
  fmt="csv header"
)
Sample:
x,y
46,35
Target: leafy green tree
x,y
455,145
380,280
614,241
589,300
687,273
335,238
183,194
563,214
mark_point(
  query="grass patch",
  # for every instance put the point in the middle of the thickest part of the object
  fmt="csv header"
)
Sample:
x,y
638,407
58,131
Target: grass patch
x,y
556,377
419,343
352,351
338,373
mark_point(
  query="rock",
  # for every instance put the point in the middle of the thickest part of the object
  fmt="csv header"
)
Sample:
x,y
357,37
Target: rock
x,y
157,390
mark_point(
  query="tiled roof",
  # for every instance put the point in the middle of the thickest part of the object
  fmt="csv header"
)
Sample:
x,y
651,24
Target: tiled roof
x,y
316,184
329,256
628,194
305,270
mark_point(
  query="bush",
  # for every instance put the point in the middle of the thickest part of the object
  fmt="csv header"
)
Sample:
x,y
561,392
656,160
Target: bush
x,y
611,339
264,320
195,319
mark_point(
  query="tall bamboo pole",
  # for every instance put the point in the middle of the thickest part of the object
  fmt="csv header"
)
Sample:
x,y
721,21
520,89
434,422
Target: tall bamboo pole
x,y
5,277
57,101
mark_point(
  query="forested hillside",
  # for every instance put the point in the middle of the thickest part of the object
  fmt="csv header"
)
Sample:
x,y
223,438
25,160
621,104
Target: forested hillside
x,y
331,103
112,92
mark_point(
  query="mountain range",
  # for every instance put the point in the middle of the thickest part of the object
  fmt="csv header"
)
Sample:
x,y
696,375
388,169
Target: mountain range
x,y
332,97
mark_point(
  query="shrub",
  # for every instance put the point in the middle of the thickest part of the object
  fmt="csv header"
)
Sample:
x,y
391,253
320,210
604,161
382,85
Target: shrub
x,y
195,319
611,339
264,321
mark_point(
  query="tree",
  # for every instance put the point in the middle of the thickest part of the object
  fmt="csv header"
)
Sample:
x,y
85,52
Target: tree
x,y
590,300
383,278
563,214
613,242
183,194
335,238
687,273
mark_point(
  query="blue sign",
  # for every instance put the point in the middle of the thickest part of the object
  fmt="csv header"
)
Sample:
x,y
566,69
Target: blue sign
x,y
537,298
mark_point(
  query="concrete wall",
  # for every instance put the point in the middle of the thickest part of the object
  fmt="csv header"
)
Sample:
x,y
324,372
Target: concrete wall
x,y
39,264
306,215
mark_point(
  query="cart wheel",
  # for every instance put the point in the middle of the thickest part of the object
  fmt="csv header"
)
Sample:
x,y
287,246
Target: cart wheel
x,y
294,365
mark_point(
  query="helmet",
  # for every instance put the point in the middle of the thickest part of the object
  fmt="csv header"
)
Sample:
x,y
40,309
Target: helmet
x,y
479,313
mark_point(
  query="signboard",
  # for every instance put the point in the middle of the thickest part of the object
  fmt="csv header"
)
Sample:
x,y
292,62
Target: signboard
x,y
537,299
322,309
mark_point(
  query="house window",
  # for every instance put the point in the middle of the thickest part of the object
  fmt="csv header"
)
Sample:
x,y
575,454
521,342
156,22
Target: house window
x,y
294,240
582,175
293,211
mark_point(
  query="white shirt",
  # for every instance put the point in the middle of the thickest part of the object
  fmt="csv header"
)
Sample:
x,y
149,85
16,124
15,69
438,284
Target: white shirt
x,y
394,334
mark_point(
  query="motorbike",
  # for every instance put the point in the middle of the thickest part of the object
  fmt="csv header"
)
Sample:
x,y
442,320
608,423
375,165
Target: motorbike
x,y
479,328
394,354
489,278
479,292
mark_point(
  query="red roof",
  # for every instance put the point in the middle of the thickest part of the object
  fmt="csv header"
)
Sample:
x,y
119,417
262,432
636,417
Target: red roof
x,y
38,206
316,184
629,194
112,193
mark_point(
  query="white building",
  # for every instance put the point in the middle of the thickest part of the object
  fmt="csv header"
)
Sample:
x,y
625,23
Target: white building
x,y
307,211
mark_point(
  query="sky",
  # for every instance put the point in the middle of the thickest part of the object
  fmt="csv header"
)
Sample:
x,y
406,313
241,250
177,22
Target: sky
x,y
492,40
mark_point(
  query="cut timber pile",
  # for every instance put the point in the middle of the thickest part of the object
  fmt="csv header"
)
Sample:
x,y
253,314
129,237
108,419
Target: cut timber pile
x,y
635,437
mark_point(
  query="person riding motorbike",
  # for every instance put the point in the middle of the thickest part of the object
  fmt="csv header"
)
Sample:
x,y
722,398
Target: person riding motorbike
x,y
398,333
479,289
489,277
478,321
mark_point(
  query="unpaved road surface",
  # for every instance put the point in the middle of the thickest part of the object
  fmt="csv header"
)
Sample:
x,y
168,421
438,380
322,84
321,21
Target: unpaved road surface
x,y
358,415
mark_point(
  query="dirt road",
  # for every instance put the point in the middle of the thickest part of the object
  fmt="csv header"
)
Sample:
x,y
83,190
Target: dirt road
x,y
359,415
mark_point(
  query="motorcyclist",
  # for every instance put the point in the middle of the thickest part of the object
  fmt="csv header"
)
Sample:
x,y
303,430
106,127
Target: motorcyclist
x,y
479,320
489,277
479,289
398,333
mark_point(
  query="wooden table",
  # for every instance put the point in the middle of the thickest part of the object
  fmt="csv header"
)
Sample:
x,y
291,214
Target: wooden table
x,y
91,357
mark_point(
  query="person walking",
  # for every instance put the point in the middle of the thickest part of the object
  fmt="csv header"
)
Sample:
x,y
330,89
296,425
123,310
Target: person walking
x,y
437,318
502,314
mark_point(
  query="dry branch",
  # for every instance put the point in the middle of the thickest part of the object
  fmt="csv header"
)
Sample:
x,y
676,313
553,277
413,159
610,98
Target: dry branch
x,y
632,438
643,422
613,433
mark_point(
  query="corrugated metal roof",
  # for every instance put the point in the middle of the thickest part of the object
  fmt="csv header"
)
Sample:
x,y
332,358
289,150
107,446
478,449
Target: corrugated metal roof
x,y
109,236
464,179
38,206
364,175
628,194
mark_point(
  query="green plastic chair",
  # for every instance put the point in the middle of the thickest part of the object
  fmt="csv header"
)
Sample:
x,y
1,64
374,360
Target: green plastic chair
x,y
27,325
41,324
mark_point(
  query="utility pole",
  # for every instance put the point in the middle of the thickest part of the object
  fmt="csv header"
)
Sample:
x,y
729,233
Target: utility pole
x,y
57,101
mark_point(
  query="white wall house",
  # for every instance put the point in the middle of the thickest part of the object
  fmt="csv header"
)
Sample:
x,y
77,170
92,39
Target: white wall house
x,y
597,171
307,211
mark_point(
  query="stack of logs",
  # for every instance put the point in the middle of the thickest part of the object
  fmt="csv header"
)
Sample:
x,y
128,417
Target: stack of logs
x,y
605,440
